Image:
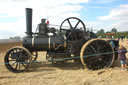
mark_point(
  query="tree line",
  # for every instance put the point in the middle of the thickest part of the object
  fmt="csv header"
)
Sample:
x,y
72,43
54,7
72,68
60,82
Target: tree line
x,y
117,34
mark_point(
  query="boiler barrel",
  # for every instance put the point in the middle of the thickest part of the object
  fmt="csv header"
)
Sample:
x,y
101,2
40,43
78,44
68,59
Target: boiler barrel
x,y
43,44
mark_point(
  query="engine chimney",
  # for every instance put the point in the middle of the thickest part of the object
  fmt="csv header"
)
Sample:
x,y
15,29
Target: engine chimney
x,y
29,22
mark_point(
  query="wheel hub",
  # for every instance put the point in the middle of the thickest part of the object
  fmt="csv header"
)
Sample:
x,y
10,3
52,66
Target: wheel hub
x,y
19,59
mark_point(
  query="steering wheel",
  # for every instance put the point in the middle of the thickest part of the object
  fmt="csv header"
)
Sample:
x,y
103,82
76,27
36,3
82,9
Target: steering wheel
x,y
70,31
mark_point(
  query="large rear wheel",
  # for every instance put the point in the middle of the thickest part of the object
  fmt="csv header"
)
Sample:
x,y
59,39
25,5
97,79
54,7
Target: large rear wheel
x,y
97,54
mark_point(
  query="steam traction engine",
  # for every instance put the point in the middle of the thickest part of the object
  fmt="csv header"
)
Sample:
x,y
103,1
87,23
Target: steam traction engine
x,y
71,42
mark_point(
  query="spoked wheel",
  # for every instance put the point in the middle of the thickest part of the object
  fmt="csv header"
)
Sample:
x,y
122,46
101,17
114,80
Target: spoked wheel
x,y
97,54
34,55
71,31
17,59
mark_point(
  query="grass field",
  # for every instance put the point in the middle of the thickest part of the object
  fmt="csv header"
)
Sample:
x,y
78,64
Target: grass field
x,y
45,73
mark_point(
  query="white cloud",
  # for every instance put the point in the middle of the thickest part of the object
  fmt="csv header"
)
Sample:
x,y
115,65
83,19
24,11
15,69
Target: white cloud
x,y
12,28
54,10
116,13
102,1
118,18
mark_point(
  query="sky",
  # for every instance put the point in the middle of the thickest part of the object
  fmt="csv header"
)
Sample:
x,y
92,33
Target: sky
x,y
96,14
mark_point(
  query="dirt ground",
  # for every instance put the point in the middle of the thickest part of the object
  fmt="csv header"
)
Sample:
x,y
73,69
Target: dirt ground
x,y
45,73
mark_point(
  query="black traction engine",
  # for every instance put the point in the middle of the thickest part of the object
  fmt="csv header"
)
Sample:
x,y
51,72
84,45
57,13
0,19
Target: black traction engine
x,y
70,42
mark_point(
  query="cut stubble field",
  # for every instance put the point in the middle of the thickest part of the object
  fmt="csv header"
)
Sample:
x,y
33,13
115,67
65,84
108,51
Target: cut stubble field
x,y
45,73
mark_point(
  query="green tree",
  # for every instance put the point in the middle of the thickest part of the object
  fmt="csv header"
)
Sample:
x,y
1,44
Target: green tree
x,y
101,33
114,30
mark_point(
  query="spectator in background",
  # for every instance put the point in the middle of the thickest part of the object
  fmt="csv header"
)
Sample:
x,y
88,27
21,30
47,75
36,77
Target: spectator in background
x,y
112,37
122,57
112,43
122,37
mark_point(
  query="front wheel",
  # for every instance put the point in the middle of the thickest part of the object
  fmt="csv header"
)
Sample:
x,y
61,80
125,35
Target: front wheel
x,y
17,59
